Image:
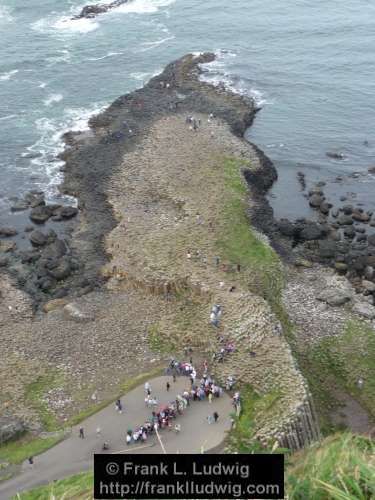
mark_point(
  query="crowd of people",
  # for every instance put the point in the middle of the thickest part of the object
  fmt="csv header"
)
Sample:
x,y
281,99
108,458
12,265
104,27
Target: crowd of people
x,y
165,417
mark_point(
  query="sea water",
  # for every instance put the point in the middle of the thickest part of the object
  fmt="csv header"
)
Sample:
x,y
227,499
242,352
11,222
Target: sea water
x,y
309,65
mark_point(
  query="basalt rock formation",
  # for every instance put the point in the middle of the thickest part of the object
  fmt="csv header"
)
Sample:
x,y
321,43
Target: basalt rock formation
x,y
91,11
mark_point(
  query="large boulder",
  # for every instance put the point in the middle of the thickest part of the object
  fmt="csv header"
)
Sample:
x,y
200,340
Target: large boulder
x,y
61,271
364,309
74,312
327,249
316,200
10,428
335,297
38,238
287,228
40,214
67,212
8,231
311,231
345,220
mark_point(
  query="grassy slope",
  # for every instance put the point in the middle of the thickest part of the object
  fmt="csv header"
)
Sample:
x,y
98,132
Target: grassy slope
x,y
339,362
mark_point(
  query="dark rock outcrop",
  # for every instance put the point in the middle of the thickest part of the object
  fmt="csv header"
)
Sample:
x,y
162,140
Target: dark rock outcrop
x,y
91,11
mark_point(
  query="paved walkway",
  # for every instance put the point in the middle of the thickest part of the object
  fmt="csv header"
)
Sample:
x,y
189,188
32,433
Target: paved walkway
x,y
75,455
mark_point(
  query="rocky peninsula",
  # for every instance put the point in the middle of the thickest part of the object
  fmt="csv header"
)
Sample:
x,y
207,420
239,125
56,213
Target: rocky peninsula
x,y
91,11
171,219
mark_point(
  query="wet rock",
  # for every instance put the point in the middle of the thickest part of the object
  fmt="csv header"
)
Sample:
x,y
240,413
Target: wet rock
x,y
91,11
312,231
360,216
335,297
361,237
28,229
364,309
302,180
335,156
29,256
359,229
61,293
61,271
347,209
335,212
349,232
327,249
341,267
10,428
4,261
343,198
67,212
371,240
40,214
37,201
19,206
46,284
8,231
287,228
316,200
7,246
345,220
38,238
325,207
55,250
316,190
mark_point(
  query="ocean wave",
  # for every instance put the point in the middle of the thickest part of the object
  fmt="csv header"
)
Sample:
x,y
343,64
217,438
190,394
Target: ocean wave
x,y
216,73
143,6
65,25
8,75
52,99
50,144
153,45
5,14
110,54
7,117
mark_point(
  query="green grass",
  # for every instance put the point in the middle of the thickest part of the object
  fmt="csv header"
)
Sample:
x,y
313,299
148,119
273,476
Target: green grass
x,y
238,244
157,342
79,487
15,452
254,407
35,393
340,468
339,362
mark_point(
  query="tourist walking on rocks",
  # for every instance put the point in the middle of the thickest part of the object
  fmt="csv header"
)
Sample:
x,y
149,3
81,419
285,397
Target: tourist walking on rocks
x,y
215,416
81,433
210,397
168,386
98,432
148,388
30,461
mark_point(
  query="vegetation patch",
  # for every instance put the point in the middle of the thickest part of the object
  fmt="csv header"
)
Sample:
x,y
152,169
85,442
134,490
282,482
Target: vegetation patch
x,y
35,395
77,487
340,468
15,452
341,362
254,408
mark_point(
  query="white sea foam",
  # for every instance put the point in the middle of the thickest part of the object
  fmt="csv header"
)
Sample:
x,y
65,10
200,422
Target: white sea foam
x,y
216,73
65,25
42,85
143,6
110,54
153,45
8,75
50,143
52,99
7,117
